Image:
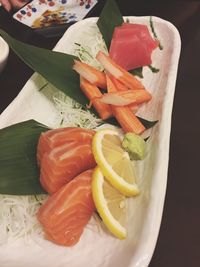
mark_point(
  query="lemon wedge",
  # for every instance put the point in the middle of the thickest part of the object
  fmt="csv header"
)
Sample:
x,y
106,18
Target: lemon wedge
x,y
110,204
114,161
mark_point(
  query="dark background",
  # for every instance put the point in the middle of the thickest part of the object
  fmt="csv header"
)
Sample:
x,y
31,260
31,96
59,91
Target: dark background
x,y
179,238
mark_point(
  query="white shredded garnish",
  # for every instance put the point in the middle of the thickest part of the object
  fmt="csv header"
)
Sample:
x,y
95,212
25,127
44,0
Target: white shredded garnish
x,y
18,216
88,49
73,114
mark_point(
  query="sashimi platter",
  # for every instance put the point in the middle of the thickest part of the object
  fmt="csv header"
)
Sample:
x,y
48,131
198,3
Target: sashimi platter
x,y
84,147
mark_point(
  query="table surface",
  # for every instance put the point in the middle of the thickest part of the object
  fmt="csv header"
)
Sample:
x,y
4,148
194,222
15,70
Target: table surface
x,y
178,243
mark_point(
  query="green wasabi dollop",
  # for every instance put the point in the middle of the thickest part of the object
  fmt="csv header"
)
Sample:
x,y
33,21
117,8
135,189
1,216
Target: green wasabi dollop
x,y
134,145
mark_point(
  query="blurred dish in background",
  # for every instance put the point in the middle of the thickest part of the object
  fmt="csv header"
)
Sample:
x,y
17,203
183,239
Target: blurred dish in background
x,y
47,13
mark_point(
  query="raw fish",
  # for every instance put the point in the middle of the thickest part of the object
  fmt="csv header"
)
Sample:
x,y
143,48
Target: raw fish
x,y
64,162
132,46
56,137
65,214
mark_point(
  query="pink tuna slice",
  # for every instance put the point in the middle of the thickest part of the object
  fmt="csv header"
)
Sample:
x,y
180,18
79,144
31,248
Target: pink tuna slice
x,y
128,29
132,46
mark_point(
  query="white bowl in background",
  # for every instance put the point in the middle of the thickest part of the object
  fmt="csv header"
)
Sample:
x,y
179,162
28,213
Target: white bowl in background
x,y
4,51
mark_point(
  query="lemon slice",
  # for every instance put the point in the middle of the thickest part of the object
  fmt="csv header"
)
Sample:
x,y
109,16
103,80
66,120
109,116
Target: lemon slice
x,y
114,161
110,204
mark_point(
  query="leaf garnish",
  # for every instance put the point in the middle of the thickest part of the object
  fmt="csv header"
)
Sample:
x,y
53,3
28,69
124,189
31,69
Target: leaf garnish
x,y
19,172
55,67
154,33
137,72
147,124
110,17
153,69
81,51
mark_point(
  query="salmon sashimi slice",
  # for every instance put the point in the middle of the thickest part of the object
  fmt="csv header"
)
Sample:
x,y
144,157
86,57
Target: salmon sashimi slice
x,y
66,213
56,137
63,163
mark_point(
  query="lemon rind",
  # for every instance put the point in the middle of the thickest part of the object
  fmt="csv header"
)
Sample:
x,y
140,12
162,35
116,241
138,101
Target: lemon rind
x,y
97,191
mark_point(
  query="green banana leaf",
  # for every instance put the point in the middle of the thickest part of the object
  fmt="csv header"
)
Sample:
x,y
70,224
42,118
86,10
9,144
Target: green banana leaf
x,y
147,124
19,173
55,67
137,72
109,18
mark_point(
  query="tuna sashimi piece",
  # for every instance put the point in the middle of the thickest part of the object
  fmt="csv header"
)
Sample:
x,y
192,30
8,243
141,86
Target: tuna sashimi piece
x,y
141,31
132,46
135,54
56,137
63,163
65,214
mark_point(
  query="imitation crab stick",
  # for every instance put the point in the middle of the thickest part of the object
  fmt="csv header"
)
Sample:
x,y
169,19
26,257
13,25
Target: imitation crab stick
x,y
120,86
66,213
113,84
91,74
93,93
124,98
119,73
124,115
109,84
127,119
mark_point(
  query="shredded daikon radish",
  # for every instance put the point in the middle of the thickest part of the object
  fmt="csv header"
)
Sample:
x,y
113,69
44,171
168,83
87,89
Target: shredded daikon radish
x,y
90,46
72,114
18,216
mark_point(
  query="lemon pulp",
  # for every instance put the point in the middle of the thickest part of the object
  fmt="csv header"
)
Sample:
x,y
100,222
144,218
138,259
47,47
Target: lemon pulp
x,y
114,161
110,204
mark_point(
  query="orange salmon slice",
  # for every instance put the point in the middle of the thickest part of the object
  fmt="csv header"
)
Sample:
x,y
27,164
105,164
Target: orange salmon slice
x,y
56,137
63,163
66,213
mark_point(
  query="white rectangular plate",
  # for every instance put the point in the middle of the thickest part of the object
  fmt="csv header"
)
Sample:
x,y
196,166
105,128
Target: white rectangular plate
x,y
97,247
